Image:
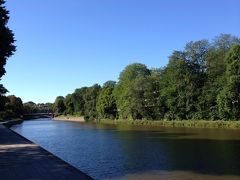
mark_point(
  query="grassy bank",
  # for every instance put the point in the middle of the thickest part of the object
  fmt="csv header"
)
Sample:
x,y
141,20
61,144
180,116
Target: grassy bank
x,y
177,123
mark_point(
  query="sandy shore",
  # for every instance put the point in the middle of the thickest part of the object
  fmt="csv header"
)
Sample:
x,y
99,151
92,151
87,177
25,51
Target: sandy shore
x,y
69,118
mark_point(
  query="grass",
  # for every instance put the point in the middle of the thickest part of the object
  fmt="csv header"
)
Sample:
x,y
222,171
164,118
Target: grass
x,y
178,123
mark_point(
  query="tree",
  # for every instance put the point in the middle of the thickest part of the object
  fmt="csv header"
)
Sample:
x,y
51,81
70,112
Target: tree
x,y
90,101
78,101
229,98
195,55
15,105
200,82
183,81
106,103
153,92
2,98
59,106
29,107
215,75
124,90
7,47
174,82
225,41
143,98
69,104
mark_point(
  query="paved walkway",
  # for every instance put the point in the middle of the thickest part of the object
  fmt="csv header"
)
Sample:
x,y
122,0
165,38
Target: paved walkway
x,y
22,159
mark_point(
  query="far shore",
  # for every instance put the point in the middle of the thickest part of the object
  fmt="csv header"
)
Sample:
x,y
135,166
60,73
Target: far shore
x,y
69,118
219,124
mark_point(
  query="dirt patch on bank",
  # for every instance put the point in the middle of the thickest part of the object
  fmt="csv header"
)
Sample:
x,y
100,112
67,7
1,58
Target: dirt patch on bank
x,y
74,119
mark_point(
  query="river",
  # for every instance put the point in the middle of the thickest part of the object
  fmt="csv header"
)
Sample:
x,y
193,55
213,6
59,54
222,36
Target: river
x,y
136,152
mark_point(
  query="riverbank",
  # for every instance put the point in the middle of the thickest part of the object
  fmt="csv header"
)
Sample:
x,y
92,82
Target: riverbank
x,y
175,123
69,118
32,162
9,123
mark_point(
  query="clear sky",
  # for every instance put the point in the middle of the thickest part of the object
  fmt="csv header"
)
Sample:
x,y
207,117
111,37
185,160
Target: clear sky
x,y
67,44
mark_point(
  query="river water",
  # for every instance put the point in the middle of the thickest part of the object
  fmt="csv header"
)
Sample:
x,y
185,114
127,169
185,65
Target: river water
x,y
135,152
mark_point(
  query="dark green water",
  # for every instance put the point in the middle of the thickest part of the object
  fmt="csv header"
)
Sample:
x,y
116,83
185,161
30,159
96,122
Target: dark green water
x,y
109,151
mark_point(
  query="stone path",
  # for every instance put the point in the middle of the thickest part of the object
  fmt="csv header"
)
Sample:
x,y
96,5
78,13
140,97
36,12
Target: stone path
x,y
22,159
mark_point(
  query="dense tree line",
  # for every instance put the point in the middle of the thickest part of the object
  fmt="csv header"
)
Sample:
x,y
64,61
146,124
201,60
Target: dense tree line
x,y
15,108
82,102
200,82
32,108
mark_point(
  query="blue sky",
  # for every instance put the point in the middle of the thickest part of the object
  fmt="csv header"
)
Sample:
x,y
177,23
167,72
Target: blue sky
x,y
66,44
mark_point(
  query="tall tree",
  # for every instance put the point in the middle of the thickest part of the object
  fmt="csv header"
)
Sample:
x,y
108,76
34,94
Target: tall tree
x,y
59,106
90,101
225,42
229,97
106,103
156,101
174,82
15,104
7,47
183,80
69,104
215,74
127,84
144,103
2,97
78,101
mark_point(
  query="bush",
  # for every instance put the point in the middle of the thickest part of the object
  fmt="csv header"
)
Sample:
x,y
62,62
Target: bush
x,y
6,115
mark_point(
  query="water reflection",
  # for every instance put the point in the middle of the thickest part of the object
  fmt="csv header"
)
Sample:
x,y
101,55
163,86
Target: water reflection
x,y
105,151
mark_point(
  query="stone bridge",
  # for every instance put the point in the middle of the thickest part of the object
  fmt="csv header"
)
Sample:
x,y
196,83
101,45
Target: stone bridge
x,y
37,115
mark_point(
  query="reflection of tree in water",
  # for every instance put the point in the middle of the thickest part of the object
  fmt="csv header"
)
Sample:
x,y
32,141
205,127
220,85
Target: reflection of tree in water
x,y
147,151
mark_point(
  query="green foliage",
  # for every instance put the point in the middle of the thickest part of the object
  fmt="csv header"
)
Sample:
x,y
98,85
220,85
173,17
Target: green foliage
x,y
78,100
80,103
13,108
215,76
69,103
7,48
2,97
225,42
90,101
106,103
229,97
15,104
59,106
125,90
7,115
182,81
200,82
31,108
